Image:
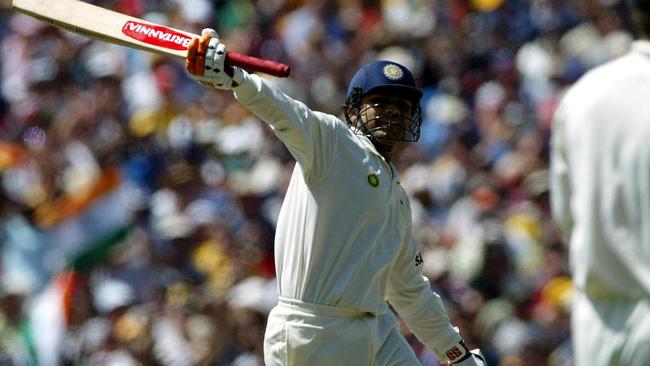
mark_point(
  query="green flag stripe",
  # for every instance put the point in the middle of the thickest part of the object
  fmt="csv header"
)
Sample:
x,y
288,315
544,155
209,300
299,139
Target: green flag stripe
x,y
28,338
97,251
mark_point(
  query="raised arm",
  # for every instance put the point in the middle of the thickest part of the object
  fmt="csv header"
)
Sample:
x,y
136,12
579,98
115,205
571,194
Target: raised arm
x,y
310,136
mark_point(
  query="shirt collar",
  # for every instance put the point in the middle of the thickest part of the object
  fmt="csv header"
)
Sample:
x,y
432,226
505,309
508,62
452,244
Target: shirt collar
x,y
368,145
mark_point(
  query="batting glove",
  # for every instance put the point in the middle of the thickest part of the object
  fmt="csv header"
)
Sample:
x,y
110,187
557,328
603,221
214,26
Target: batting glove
x,y
460,355
205,62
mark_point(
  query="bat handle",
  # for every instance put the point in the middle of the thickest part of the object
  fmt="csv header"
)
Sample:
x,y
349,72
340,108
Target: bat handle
x,y
257,64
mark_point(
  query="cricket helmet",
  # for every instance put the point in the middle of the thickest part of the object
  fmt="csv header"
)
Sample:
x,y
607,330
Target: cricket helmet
x,y
384,76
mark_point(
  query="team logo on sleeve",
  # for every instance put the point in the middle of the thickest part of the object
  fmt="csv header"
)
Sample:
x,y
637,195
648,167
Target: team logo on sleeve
x,y
373,180
418,259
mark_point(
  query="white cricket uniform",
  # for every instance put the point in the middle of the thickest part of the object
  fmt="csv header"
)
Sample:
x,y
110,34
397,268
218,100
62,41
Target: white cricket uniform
x,y
343,247
600,187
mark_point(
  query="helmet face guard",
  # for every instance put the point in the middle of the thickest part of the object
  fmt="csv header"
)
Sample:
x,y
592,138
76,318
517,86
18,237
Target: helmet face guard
x,y
386,120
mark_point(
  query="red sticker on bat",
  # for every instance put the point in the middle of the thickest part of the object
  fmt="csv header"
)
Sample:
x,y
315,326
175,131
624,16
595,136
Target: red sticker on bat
x,y
156,35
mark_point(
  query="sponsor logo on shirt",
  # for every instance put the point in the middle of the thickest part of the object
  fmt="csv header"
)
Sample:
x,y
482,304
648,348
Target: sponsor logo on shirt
x,y
418,259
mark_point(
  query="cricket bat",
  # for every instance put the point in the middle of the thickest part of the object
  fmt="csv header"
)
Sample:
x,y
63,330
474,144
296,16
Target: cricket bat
x,y
113,27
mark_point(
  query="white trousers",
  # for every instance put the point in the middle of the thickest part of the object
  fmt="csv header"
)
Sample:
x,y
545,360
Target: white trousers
x,y
611,333
301,334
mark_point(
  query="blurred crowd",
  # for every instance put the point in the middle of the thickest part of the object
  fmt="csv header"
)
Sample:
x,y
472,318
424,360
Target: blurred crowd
x,y
137,208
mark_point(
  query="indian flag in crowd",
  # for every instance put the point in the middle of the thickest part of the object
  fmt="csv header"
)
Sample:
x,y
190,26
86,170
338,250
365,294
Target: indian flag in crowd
x,y
52,310
79,234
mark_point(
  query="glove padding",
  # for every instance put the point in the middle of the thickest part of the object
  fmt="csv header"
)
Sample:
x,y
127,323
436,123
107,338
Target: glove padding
x,y
205,62
460,355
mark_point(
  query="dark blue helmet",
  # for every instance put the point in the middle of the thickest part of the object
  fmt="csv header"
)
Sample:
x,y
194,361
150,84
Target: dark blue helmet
x,y
380,76
384,75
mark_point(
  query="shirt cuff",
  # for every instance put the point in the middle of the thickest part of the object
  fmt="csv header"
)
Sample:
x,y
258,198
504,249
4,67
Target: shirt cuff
x,y
249,86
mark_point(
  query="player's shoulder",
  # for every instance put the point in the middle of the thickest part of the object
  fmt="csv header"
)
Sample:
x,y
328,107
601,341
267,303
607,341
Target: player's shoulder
x,y
330,120
603,77
601,73
626,66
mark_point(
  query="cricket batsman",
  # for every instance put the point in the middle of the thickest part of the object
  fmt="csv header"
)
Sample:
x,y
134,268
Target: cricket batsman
x,y
600,187
343,248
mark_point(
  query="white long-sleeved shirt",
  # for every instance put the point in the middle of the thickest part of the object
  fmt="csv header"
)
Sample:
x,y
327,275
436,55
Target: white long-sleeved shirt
x,y
344,232
600,177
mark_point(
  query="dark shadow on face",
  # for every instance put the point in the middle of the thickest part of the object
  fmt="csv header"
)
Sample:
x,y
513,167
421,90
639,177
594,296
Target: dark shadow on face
x,y
386,116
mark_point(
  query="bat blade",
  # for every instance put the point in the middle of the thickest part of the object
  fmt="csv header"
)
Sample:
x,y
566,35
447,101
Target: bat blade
x,y
107,25
113,27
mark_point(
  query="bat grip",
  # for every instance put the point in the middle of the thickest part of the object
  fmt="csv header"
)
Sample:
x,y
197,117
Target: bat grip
x,y
251,63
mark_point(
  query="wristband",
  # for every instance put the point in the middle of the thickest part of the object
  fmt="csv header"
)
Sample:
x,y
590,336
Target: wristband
x,y
458,353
